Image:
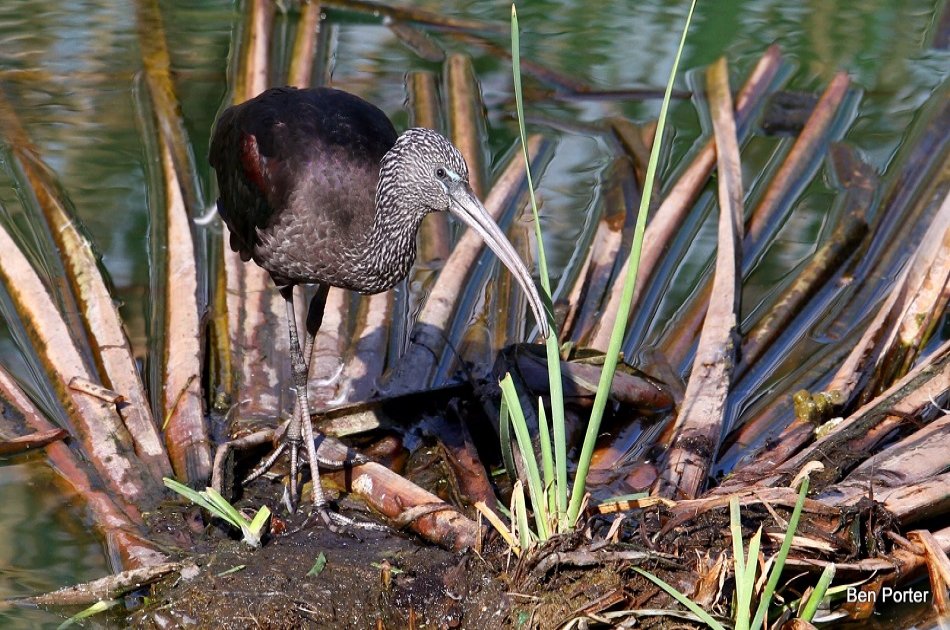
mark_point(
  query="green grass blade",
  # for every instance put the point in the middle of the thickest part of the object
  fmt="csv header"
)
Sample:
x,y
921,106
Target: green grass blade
x,y
259,521
616,336
504,436
743,586
95,609
198,498
744,605
318,565
814,600
520,509
551,344
685,601
735,527
547,462
231,513
779,564
520,426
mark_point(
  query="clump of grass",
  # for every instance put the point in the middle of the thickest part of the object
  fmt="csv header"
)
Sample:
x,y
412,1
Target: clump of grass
x,y
745,562
211,500
547,484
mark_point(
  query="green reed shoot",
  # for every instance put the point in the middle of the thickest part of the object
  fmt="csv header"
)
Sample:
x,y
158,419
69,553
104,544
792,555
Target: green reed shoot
x,y
553,513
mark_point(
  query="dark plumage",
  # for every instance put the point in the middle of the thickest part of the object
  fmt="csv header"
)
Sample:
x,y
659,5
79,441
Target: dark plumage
x,y
316,188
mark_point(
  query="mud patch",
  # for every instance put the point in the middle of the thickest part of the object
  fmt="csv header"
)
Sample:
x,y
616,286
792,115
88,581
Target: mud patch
x,y
370,579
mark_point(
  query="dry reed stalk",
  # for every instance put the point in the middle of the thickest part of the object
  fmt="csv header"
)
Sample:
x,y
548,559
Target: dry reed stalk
x,y
305,44
108,342
96,425
910,397
670,215
112,514
186,433
917,458
30,442
903,216
104,589
161,87
586,296
416,40
765,218
420,16
698,426
182,405
466,112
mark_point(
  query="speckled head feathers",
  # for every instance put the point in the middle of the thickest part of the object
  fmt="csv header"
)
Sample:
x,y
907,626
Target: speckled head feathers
x,y
415,175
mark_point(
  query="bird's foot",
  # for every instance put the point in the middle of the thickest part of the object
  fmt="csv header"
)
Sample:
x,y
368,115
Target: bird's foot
x,y
336,522
298,456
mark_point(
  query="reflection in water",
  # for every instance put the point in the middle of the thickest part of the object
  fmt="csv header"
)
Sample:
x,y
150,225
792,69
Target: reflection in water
x,y
45,543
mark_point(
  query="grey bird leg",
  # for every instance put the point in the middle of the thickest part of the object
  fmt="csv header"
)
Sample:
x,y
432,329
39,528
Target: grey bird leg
x,y
301,427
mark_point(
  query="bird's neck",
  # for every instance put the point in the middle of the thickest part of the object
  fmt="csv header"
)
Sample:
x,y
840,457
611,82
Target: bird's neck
x,y
389,248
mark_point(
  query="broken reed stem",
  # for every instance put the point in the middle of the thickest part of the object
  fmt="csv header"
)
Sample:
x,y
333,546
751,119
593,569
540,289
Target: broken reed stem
x,y
416,40
26,443
857,183
698,427
186,435
95,425
305,43
766,217
112,513
466,113
593,280
925,302
803,157
106,337
161,87
902,217
679,200
104,589
420,16
824,265
915,459
911,397
366,362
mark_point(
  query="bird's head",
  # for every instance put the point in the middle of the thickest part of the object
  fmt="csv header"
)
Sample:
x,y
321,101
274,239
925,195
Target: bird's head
x,y
426,169
424,173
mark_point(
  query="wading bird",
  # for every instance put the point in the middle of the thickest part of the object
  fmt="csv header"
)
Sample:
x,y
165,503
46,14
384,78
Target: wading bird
x,y
316,188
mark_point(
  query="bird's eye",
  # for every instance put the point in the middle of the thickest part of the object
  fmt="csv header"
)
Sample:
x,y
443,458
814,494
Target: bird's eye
x,y
440,173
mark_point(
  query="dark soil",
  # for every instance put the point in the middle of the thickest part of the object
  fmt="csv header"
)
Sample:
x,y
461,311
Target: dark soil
x,y
371,579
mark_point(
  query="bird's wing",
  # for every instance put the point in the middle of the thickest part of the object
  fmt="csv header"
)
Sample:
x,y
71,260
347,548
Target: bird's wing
x,y
253,186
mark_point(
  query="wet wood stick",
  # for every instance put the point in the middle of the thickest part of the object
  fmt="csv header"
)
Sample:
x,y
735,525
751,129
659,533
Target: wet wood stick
x,y
698,428
678,202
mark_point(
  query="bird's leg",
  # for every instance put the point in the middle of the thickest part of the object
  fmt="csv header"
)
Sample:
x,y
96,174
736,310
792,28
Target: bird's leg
x,y
314,320
300,428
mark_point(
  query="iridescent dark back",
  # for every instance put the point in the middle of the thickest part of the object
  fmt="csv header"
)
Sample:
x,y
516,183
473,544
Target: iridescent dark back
x,y
297,172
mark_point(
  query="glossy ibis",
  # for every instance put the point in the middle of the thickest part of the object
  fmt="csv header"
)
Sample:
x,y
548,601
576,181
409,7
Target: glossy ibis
x,y
316,188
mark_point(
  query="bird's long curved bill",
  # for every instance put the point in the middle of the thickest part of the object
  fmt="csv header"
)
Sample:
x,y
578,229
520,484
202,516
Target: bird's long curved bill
x,y
467,207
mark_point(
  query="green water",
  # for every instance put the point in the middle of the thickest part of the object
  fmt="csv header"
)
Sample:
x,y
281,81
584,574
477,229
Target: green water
x,y
71,68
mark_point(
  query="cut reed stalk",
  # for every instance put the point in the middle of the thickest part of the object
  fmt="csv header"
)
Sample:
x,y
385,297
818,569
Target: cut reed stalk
x,y
679,200
698,426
